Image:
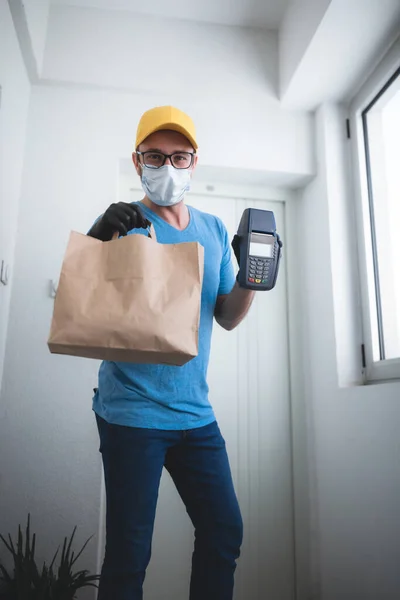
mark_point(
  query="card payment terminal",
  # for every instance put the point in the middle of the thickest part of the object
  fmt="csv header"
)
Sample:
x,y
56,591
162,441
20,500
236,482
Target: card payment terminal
x,y
260,250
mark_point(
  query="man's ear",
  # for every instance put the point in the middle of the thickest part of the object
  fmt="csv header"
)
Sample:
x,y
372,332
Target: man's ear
x,y
138,167
195,160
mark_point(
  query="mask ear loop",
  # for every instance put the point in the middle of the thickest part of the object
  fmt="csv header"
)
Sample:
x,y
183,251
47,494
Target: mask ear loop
x,y
139,162
150,229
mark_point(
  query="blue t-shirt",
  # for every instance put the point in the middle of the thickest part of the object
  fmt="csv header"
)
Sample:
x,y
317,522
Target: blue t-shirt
x,y
162,396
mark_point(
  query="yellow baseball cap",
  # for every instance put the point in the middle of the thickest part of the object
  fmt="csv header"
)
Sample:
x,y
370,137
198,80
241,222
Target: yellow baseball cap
x,y
166,117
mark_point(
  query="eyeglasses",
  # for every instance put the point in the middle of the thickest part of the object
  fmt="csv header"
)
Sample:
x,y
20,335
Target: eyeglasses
x,y
155,160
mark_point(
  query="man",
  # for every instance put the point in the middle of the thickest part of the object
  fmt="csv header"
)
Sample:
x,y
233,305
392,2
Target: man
x,y
155,416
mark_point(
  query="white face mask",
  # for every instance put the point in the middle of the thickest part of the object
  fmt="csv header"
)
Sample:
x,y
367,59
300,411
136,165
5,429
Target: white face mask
x,y
165,186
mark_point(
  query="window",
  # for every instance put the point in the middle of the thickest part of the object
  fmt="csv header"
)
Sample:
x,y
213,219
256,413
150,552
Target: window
x,y
376,116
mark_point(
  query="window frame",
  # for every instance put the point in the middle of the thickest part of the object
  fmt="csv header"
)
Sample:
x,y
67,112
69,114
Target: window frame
x,y
377,83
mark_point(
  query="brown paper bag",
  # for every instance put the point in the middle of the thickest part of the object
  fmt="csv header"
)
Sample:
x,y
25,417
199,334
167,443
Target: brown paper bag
x,y
130,299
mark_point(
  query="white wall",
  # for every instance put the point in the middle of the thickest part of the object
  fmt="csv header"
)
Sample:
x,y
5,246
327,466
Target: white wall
x,y
334,151
149,54
15,91
328,46
300,23
37,14
225,77
352,431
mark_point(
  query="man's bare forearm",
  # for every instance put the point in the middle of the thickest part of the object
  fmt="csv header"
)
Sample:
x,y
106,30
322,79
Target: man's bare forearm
x,y
232,308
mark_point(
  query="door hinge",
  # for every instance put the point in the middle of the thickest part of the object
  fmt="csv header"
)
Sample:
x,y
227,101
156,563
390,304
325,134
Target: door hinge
x,y
348,131
363,361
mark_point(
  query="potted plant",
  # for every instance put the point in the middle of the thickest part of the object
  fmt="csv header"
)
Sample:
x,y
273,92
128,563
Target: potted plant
x,y
29,582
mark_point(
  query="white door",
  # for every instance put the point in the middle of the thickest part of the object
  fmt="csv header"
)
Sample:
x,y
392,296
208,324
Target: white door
x,y
249,389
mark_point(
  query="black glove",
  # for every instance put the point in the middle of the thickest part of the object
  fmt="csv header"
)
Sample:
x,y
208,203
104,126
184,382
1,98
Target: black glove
x,y
121,218
236,250
236,247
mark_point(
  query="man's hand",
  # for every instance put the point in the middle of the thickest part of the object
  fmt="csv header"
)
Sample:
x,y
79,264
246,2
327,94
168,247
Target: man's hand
x,y
119,218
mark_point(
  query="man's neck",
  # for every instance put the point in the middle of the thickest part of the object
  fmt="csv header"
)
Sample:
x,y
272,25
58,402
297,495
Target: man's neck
x,y
177,215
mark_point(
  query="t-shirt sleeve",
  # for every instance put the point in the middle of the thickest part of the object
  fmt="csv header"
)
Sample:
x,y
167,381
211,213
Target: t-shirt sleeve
x,y
227,275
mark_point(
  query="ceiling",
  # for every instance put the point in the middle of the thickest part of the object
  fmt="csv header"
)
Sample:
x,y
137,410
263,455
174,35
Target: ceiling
x,y
266,14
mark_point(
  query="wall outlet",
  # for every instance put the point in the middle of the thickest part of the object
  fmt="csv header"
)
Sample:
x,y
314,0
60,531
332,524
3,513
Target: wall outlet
x,y
53,285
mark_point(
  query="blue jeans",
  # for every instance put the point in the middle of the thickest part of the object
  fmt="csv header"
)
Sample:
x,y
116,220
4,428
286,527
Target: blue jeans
x,y
197,461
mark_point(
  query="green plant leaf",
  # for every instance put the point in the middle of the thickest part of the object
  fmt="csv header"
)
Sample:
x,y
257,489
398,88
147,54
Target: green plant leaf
x,y
81,550
29,583
63,552
5,576
70,541
54,558
32,554
20,542
7,545
27,536
11,544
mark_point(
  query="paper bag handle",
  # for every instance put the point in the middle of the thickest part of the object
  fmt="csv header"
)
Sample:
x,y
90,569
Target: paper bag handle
x,y
151,233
